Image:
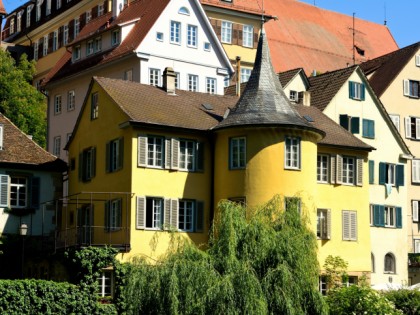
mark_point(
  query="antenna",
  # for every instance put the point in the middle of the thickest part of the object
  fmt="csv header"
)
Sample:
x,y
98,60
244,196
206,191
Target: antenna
x,y
354,34
384,12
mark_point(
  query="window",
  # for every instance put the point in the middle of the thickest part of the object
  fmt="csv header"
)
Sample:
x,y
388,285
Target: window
x,y
392,174
57,146
48,8
76,27
57,104
349,225
87,164
71,99
322,168
38,11
94,109
348,170
155,151
323,224
28,15
193,82
12,26
207,46
154,213
372,259
192,36
245,74
247,36
19,21
98,44
418,60
412,127
226,32
128,75
356,91
177,80
45,46
184,10
349,123
113,215
415,171
100,9
387,216
415,210
293,96
175,32
19,191
58,4
154,76
411,88
65,34
76,53
211,85
89,48
159,36
238,200
114,155
55,41
389,263
186,215
187,155
88,16
292,153
237,153
292,203
323,285
36,50
115,37
368,128
371,214
105,283
396,121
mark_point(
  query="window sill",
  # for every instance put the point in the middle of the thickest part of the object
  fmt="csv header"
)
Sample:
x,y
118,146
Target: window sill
x,y
292,168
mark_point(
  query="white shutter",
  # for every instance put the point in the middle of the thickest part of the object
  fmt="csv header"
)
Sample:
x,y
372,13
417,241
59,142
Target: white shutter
x,y
328,225
167,214
415,204
339,169
4,190
415,169
406,84
346,226
168,153
353,225
407,127
332,170
174,213
174,154
140,212
417,128
359,172
418,60
142,151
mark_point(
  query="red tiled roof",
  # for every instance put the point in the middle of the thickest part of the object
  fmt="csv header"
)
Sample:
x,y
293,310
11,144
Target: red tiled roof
x,y
2,10
247,6
18,148
317,39
386,68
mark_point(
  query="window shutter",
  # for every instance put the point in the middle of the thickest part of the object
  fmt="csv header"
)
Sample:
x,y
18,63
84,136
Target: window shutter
x,y
328,225
174,213
398,221
93,162
359,172
199,216
120,162
107,216
376,215
415,178
168,153
332,170
418,60
415,205
371,172
80,166
382,172
407,127
346,226
108,157
381,216
255,37
339,169
417,135
355,125
142,151
406,84
174,153
362,91
35,192
351,89
344,121
199,157
140,215
4,190
400,175
371,129
365,128
353,225
167,214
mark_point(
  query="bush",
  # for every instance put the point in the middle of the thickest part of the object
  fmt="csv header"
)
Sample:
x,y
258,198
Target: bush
x,y
408,301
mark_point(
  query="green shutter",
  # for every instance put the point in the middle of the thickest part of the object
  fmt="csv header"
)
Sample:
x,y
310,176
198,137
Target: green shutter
x,y
107,216
400,175
108,157
371,172
398,222
344,121
381,216
93,162
80,167
355,125
351,89
362,92
35,192
382,173
365,130
4,190
200,157
376,215
120,162
199,216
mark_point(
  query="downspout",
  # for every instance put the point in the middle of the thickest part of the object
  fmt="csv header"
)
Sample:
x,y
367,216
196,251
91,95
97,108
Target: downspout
x,y
238,76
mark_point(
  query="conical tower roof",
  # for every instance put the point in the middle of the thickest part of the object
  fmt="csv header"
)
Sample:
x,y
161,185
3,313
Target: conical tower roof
x,y
263,101
2,10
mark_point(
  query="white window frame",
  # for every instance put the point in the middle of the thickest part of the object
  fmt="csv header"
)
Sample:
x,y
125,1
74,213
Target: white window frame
x,y
76,29
192,36
106,289
323,224
156,212
389,216
412,124
55,40
58,102
395,120
154,77
65,34
350,226
28,15
45,46
58,4
115,37
226,36
408,88
100,9
71,99
97,44
187,154
186,215
12,26
38,11
292,159
36,47
357,90
211,85
237,154
393,262
349,170
48,8
177,80
415,170
76,53
88,16
89,48
19,189
193,82
19,21
416,248
415,210
57,146
247,36
155,151
94,110
175,32
245,74
322,168
390,176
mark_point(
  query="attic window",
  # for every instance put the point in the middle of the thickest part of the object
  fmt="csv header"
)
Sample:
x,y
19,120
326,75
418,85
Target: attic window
x,y
207,106
184,10
308,118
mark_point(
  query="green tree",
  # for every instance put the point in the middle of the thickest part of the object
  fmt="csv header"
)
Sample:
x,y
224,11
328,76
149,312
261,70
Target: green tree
x,y
336,271
260,261
19,100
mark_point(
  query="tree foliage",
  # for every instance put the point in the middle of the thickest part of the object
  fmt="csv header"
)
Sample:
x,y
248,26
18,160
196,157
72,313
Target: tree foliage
x,y
336,271
19,100
260,261
408,301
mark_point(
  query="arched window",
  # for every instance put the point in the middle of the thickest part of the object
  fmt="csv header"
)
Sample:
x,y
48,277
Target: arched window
x,y
389,263
184,10
372,258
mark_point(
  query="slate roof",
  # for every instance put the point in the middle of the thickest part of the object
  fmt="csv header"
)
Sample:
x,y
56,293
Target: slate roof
x,y
386,68
152,105
325,86
263,101
145,11
19,149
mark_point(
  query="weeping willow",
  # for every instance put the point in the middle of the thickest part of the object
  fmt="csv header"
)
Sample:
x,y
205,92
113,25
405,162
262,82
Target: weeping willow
x,y
260,261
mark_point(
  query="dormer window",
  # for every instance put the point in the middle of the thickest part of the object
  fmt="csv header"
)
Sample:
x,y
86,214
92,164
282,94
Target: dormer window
x,y
88,16
115,37
12,26
100,9
184,10
58,4
98,44
19,21
76,53
89,48
48,8
28,15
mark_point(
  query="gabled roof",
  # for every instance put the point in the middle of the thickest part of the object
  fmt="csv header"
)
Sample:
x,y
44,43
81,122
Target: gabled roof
x,y
325,86
19,149
286,76
263,101
387,67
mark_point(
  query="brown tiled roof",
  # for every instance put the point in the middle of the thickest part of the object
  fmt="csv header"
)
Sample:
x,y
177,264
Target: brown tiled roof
x,y
325,86
152,105
147,11
246,6
386,68
2,10
19,149
335,135
286,76
317,39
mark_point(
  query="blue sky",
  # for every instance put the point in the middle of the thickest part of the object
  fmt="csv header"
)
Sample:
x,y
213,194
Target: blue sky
x,y
402,16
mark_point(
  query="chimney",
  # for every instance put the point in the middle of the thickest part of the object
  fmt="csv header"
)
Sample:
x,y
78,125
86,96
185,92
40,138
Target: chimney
x,y
169,76
307,98
117,7
238,75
